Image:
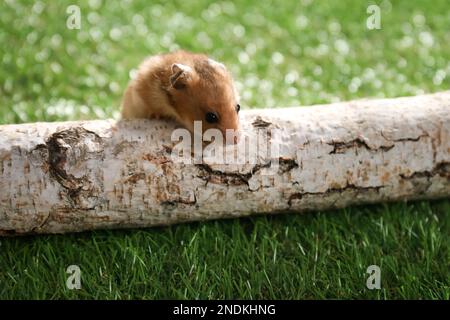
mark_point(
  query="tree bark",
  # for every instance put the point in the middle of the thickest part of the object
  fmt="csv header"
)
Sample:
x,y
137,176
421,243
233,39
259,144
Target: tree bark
x,y
75,176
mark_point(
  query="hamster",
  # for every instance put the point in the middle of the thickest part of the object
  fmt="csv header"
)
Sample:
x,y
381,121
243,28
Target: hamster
x,y
186,87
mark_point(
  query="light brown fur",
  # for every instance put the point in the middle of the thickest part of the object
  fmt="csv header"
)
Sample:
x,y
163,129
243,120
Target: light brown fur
x,y
162,90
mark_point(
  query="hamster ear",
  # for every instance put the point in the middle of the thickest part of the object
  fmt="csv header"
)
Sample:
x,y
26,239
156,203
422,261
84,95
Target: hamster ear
x,y
215,63
181,74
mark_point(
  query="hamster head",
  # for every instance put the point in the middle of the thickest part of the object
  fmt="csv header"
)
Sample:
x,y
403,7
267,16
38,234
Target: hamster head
x,y
205,92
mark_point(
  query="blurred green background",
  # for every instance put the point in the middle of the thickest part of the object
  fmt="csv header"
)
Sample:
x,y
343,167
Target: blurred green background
x,y
281,54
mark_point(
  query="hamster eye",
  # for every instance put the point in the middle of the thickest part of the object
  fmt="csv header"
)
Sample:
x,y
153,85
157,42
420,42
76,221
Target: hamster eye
x,y
238,108
211,117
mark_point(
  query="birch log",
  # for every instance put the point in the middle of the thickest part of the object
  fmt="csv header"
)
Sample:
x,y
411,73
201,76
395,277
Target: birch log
x,y
75,176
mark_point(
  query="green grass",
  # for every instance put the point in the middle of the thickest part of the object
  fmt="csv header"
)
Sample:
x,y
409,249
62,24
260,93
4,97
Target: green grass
x,y
281,54
322,255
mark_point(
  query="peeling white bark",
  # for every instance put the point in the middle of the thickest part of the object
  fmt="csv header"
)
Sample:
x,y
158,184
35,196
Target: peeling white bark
x,y
74,176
